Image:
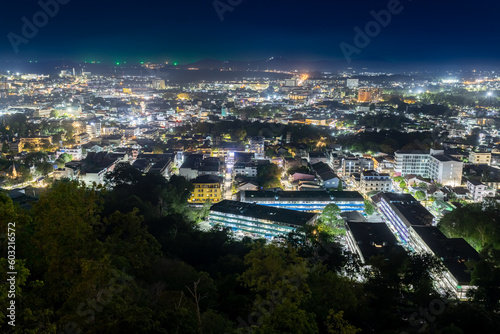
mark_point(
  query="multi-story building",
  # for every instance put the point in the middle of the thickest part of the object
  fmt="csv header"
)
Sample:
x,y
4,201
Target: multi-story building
x,y
75,152
454,253
311,200
371,239
82,138
326,175
210,166
411,162
246,169
480,158
93,128
190,165
131,132
445,170
353,165
435,165
206,188
257,221
373,181
403,211
478,191
257,146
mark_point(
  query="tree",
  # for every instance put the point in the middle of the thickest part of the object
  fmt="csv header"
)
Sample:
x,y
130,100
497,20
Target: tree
x,y
331,213
402,185
423,185
399,179
45,168
272,269
369,208
486,277
419,195
340,187
123,174
477,223
54,113
337,325
64,158
279,278
330,222
128,241
66,218
240,135
268,176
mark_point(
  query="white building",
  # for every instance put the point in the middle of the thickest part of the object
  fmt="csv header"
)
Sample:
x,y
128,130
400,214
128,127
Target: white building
x,y
479,158
356,165
445,170
373,181
435,165
478,191
246,169
76,153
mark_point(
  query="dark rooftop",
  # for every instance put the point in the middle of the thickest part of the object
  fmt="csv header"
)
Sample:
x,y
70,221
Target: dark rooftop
x,y
207,179
374,239
293,196
454,252
412,214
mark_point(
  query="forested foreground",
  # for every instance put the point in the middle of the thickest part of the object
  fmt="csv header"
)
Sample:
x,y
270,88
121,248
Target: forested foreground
x,y
132,260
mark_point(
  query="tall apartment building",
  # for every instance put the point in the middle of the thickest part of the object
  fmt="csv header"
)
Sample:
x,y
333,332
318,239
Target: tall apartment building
x,y
433,164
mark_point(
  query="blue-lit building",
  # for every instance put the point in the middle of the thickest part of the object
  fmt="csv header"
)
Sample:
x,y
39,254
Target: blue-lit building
x,y
309,201
403,211
257,221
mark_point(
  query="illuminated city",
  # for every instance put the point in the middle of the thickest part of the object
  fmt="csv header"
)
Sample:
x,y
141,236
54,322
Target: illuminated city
x,y
228,167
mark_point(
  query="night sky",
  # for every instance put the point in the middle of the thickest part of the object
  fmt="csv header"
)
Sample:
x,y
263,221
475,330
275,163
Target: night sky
x,y
186,31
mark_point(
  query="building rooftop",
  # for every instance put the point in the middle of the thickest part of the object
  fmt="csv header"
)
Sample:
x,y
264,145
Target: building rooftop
x,y
374,239
295,196
454,252
282,216
398,198
444,158
412,152
412,214
474,182
207,179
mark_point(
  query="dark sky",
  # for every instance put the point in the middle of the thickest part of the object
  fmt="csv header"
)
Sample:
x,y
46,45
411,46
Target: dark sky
x,y
190,30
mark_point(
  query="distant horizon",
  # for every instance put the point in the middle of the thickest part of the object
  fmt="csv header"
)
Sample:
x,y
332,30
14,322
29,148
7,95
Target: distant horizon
x,y
395,31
